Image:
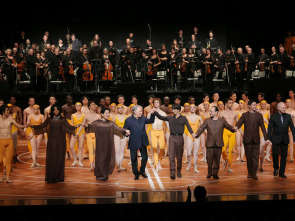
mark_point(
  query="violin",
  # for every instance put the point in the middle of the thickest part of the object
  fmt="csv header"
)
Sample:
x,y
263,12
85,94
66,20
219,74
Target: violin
x,y
261,67
246,65
87,75
238,69
271,68
21,66
182,66
280,68
108,68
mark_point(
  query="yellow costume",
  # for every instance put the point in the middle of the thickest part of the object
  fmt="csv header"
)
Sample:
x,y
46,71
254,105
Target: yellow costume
x,y
229,139
77,121
91,144
6,149
195,126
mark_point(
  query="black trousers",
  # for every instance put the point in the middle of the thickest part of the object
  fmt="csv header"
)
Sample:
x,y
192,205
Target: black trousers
x,y
134,162
213,155
69,82
276,150
252,156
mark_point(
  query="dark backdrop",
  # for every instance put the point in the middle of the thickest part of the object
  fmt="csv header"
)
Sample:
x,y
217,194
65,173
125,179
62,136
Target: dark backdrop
x,y
237,23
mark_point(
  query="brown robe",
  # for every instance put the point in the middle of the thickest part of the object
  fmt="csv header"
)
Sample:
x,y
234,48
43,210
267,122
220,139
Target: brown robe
x,y
105,148
56,147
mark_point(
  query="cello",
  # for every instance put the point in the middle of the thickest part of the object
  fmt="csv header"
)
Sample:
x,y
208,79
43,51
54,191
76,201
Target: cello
x,y
108,74
87,75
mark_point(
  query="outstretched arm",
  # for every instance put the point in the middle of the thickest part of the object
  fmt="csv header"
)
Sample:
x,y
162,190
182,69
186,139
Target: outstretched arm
x,y
161,117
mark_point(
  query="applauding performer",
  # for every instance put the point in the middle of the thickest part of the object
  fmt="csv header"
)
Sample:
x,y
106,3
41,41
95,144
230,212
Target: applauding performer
x,y
215,126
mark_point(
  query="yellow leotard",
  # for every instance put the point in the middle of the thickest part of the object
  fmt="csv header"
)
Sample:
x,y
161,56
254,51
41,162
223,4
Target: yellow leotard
x,y
78,121
33,122
119,123
239,116
195,126
13,127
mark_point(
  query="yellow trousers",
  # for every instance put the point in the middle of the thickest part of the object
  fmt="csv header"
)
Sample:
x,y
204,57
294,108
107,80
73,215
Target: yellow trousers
x,y
6,148
157,137
229,139
91,144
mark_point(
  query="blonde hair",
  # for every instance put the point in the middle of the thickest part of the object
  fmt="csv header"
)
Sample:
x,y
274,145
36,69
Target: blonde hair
x,y
36,105
8,50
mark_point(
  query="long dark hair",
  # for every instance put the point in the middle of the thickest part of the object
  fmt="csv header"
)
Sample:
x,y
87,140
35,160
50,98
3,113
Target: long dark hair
x,y
52,110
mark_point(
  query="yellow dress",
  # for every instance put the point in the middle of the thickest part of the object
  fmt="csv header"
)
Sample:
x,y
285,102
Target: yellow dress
x,y
77,121
119,124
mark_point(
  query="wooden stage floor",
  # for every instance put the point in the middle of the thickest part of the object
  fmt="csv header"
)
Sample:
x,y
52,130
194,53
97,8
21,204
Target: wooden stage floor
x,y
81,187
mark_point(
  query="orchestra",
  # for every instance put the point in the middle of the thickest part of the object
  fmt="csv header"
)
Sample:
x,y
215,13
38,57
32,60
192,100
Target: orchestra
x,y
83,67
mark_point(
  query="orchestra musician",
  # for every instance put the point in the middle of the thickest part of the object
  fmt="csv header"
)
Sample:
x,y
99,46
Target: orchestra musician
x,y
282,62
193,44
131,60
32,63
153,63
262,61
273,64
175,45
61,46
220,63
240,67
10,68
211,42
180,39
209,62
96,38
184,68
173,67
69,64
250,62
44,42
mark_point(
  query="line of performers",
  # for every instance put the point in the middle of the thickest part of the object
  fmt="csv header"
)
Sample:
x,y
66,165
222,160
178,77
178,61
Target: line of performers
x,y
84,67
103,132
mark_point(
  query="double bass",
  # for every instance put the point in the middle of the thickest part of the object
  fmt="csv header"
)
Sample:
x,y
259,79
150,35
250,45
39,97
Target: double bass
x,y
87,75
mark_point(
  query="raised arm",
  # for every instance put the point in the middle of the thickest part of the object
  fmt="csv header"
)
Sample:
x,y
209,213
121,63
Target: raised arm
x,y
161,117
150,120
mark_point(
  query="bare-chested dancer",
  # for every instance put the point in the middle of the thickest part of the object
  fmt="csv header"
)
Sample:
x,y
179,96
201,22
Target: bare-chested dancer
x,y
229,137
28,111
6,143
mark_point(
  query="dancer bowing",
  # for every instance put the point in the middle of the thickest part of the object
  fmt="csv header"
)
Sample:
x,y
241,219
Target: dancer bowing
x,y
193,144
215,127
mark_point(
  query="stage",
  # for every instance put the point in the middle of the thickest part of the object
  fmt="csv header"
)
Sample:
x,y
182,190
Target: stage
x,y
81,187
